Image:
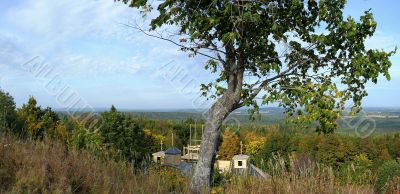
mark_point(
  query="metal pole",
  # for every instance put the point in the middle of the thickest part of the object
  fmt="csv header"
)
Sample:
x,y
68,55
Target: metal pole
x,y
172,139
195,132
241,147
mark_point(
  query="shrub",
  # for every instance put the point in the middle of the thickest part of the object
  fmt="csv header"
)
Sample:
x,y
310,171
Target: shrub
x,y
388,172
358,172
82,138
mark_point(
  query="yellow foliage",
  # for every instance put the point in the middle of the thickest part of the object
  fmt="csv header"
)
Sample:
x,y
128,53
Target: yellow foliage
x,y
362,159
230,145
217,190
157,137
253,143
59,131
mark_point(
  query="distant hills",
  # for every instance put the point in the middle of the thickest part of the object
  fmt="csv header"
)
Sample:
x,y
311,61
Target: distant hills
x,y
243,111
385,119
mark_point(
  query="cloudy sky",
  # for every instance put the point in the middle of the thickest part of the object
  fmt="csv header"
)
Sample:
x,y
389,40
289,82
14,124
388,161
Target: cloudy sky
x,y
50,48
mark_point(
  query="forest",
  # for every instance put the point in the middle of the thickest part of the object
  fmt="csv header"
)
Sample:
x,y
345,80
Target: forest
x,y
35,141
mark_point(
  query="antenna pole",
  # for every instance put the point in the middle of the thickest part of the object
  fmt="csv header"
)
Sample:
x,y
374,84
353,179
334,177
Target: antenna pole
x,y
241,147
195,132
190,141
172,139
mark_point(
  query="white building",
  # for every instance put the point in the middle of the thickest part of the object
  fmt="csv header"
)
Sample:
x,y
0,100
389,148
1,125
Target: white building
x,y
159,157
241,161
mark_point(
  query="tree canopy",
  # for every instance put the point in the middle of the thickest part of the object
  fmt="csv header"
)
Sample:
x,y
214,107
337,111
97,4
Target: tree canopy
x,y
8,116
120,132
36,122
306,55
229,146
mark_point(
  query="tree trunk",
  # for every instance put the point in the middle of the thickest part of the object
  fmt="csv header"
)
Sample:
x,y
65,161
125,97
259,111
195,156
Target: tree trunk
x,y
216,115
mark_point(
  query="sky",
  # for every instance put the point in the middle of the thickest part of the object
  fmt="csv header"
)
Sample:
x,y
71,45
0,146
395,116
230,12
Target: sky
x,y
78,53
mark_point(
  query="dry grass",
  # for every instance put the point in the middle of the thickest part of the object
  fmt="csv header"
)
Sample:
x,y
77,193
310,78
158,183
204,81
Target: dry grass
x,y
48,167
299,185
298,178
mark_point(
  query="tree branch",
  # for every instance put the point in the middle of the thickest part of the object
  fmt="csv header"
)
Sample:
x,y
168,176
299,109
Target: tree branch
x,y
173,42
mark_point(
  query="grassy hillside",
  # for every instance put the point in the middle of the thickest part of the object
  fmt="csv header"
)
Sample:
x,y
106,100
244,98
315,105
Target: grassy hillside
x,y
49,167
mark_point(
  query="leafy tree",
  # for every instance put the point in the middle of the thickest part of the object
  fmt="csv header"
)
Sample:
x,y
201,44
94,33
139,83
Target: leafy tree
x,y
292,52
36,122
122,133
59,131
229,146
152,140
8,116
308,144
253,143
330,151
182,130
49,120
83,138
277,144
381,153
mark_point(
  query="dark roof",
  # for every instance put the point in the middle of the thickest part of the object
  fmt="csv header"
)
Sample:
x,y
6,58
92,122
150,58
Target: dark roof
x,y
172,151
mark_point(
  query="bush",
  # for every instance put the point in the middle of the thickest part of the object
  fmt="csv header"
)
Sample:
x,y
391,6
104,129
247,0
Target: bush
x,y
82,138
388,172
277,144
358,172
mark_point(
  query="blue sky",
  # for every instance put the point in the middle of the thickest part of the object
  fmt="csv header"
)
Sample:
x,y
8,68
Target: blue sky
x,y
84,46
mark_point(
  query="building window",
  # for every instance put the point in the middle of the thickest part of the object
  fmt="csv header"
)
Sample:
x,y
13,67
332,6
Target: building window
x,y
240,163
158,158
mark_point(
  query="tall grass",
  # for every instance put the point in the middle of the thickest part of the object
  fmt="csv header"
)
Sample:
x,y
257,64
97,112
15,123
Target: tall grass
x,y
294,176
49,167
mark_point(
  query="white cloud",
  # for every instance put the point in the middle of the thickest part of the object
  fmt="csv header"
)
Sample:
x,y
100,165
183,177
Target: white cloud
x,y
62,20
47,28
81,65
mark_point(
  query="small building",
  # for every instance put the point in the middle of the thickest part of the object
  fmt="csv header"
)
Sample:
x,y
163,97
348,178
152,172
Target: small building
x,y
241,161
241,164
224,165
158,157
172,156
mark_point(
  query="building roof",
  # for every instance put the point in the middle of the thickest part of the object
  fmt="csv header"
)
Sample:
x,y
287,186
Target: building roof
x,y
160,153
241,157
172,151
